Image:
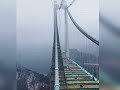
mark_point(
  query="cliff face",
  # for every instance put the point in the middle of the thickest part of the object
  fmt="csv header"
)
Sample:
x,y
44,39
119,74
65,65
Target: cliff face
x,y
31,80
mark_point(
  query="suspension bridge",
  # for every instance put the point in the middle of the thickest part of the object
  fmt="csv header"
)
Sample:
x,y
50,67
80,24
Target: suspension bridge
x,y
66,74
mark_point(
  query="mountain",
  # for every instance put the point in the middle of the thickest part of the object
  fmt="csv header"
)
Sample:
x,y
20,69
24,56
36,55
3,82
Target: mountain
x,y
31,80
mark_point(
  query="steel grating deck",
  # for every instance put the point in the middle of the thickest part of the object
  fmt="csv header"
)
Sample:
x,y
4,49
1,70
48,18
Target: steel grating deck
x,y
77,78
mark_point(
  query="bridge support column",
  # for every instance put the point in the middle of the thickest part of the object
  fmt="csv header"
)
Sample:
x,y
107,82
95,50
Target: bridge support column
x,y
66,32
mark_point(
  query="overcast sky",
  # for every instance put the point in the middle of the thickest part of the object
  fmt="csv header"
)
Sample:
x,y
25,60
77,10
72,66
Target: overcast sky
x,y
35,19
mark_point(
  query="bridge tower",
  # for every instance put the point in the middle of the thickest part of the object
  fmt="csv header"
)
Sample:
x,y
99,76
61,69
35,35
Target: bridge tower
x,y
66,31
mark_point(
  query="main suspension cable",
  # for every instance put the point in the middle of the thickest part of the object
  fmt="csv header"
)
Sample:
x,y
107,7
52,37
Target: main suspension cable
x,y
61,4
81,30
71,4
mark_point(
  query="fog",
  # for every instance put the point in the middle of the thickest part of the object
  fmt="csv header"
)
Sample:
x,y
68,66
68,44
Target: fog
x,y
35,30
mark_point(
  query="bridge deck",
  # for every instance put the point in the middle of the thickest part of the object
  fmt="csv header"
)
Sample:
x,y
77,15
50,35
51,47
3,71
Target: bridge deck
x,y
77,78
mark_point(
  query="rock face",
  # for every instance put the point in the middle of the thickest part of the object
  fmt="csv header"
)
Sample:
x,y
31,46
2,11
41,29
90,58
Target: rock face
x,y
31,80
